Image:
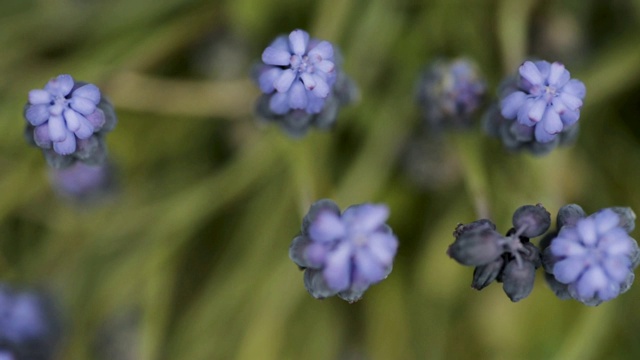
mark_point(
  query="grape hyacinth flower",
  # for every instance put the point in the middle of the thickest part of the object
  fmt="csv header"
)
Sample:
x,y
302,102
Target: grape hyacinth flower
x,y
67,120
29,327
544,100
450,93
591,258
344,254
301,82
511,259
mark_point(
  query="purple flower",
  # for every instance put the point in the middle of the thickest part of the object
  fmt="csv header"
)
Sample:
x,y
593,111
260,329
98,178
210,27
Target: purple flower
x,y
64,112
546,100
301,71
594,257
451,92
28,325
344,253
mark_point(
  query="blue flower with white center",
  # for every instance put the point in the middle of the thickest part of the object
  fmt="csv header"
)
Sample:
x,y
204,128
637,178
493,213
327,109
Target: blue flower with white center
x,y
344,254
546,101
594,256
63,113
301,71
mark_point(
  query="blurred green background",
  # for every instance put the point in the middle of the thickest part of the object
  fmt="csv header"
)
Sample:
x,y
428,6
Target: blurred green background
x,y
189,260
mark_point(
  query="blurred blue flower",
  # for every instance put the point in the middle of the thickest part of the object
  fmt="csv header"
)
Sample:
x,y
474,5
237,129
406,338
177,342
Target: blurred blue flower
x,y
66,120
450,93
302,83
545,101
593,256
29,327
344,253
84,183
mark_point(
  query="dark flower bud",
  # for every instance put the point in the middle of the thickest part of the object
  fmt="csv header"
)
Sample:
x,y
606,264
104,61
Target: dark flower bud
x,y
531,253
627,217
561,290
476,247
533,219
478,224
569,215
486,274
517,279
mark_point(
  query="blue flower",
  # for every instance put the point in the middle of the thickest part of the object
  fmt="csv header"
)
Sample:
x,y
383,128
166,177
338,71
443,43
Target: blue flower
x,y
28,326
545,102
300,70
594,256
67,119
344,254
451,92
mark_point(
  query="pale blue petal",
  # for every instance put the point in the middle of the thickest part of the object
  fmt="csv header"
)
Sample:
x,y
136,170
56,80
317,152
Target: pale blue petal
x,y
66,146
298,40
531,73
279,103
298,96
274,56
39,96
88,91
568,270
510,105
322,51
57,128
283,83
37,114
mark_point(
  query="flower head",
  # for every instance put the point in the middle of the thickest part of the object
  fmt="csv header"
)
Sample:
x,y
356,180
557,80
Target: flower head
x,y
65,118
593,256
544,100
450,93
511,259
301,83
28,325
344,253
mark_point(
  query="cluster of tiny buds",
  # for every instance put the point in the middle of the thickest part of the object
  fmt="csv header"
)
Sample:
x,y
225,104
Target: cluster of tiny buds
x,y
590,259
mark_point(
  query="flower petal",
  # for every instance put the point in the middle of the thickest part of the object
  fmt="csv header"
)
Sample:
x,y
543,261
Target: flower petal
x,y
66,146
283,83
88,91
326,227
72,119
268,78
575,88
556,73
551,122
337,271
321,88
274,56
322,51
530,72
82,105
298,40
308,81
298,96
37,114
537,110
39,96
568,270
57,128
571,101
279,103
60,86
510,105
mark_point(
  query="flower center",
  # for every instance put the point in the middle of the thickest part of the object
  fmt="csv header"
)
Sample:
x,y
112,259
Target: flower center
x,y
301,63
549,92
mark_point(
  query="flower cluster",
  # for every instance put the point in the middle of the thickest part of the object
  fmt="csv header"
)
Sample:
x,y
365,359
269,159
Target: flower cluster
x,y
302,83
511,259
450,93
591,258
29,328
588,258
344,254
68,120
539,108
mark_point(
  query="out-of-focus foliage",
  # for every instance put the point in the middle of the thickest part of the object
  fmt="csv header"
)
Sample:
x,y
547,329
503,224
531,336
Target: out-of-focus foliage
x,y
189,260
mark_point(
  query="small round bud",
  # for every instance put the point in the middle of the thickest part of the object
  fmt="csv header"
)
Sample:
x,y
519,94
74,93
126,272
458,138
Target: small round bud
x,y
569,215
478,224
486,274
534,219
476,247
517,279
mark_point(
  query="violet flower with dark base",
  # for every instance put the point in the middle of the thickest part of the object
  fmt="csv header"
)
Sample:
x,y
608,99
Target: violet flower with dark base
x,y
302,83
344,253
68,120
29,325
591,258
539,108
511,259
450,93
